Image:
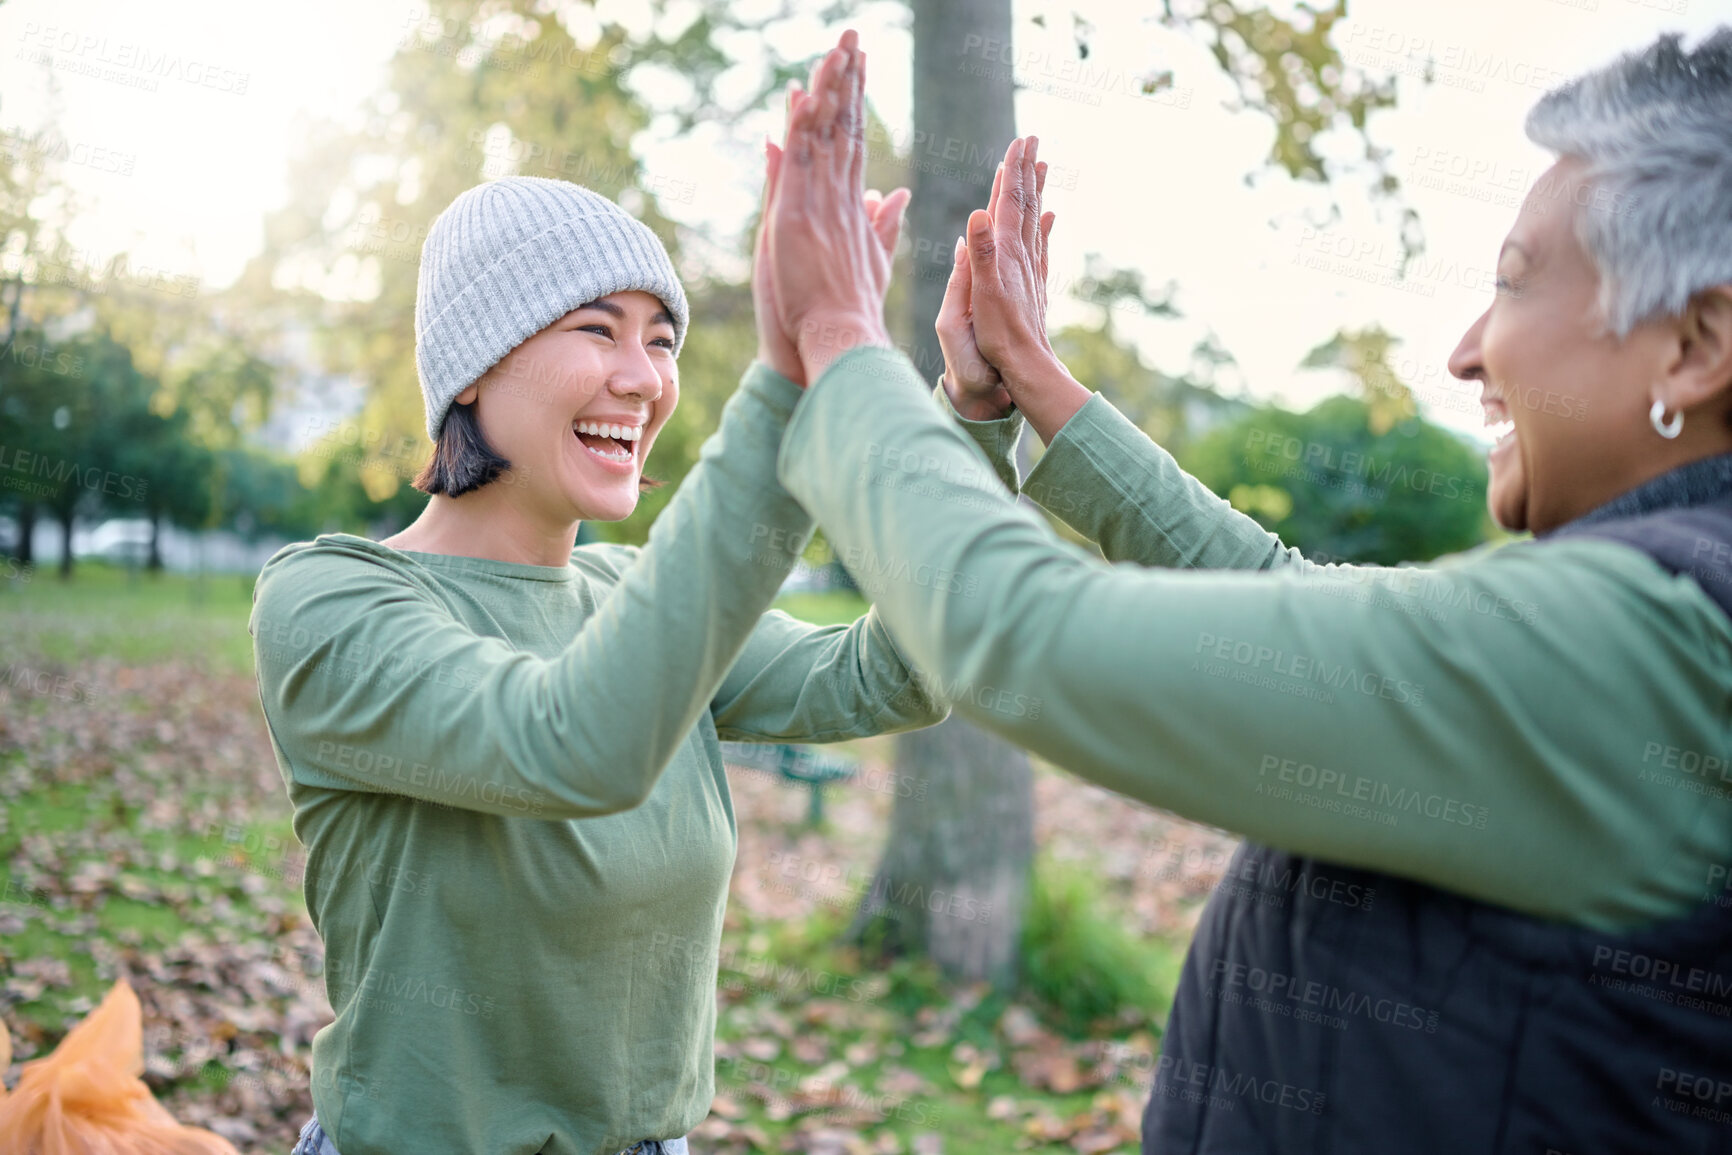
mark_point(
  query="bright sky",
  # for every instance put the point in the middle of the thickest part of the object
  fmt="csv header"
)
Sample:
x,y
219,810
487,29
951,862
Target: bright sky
x,y
181,117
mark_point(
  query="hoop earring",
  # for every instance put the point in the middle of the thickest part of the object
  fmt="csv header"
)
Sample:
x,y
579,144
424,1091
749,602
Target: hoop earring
x,y
1666,429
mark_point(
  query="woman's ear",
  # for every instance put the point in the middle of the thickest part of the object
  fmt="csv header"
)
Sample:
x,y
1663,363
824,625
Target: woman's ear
x,y
1702,371
470,392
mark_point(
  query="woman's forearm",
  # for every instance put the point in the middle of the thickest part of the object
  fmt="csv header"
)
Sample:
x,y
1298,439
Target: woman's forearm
x,y
1321,715
797,682
1109,481
1044,391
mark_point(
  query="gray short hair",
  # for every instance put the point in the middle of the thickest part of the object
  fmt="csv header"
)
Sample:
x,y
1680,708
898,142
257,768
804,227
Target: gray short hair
x,y
1655,127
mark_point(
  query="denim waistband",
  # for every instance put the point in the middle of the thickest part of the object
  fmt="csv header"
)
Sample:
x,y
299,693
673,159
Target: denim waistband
x,y
314,1141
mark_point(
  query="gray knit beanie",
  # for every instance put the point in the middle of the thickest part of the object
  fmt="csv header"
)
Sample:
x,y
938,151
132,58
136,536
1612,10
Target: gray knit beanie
x,y
508,258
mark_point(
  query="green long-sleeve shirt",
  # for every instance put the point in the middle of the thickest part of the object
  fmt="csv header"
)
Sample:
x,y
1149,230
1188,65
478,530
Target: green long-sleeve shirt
x,y
519,830
1542,725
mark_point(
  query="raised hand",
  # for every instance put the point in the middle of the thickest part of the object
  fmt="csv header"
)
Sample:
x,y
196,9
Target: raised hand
x,y
829,251
1006,285
974,386
774,347
1007,245
886,213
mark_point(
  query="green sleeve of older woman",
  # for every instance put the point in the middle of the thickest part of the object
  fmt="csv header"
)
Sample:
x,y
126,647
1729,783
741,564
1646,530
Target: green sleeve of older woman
x,y
1109,481
1488,725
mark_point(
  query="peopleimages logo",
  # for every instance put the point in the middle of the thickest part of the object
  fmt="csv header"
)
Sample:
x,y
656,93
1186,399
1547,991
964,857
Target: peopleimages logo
x,y
1265,450
1312,1001
1321,781
1192,1081
56,472
395,990
1258,878
356,659
1699,1096
444,784
96,55
1663,979
1308,668
875,892
872,573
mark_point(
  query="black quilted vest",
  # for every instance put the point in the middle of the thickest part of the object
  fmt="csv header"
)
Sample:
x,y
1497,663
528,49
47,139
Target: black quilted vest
x,y
1325,1010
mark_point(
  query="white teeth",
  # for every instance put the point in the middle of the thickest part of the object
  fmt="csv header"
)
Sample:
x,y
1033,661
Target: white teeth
x,y
1503,431
599,429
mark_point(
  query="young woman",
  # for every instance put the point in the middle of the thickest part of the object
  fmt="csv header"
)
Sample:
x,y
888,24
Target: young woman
x,y
1520,752
501,749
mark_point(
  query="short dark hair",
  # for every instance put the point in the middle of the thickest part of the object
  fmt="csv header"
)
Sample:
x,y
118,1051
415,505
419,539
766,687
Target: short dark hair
x,y
463,462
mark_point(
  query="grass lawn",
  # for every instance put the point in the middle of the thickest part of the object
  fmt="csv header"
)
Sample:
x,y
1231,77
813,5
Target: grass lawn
x,y
145,831
111,611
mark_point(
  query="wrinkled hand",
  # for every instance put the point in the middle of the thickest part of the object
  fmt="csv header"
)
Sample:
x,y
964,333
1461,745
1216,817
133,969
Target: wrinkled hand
x,y
829,250
1007,254
974,386
1007,249
774,347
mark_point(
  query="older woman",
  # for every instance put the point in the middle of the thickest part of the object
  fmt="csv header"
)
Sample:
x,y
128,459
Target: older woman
x,y
503,750
1488,802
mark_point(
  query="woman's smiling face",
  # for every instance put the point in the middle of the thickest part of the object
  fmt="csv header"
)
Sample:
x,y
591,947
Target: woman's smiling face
x,y
1570,399
576,407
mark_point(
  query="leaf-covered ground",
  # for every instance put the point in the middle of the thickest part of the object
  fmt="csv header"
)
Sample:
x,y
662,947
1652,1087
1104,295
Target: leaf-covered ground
x,y
144,832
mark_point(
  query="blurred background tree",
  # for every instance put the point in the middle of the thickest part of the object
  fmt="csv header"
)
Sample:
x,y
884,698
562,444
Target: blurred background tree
x,y
171,388
1328,482
173,398
481,88
963,842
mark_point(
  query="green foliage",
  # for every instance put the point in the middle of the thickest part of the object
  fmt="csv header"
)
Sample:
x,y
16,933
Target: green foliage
x,y
263,496
1327,483
475,91
1171,410
1291,70
831,608
223,388
1080,961
479,88
86,438
1113,289
1363,354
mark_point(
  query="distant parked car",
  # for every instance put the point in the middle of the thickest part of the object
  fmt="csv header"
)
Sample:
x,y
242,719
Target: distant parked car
x,y
124,540
805,579
827,577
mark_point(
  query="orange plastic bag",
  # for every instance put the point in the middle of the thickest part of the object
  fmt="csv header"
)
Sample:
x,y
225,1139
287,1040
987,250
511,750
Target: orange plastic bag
x,y
87,1099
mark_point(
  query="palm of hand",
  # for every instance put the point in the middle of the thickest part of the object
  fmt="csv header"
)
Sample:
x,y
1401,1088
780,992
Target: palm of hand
x,y
821,245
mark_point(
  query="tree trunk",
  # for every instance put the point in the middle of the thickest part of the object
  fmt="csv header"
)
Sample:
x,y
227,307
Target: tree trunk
x,y
153,563
12,313
954,875
963,119
65,519
26,532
